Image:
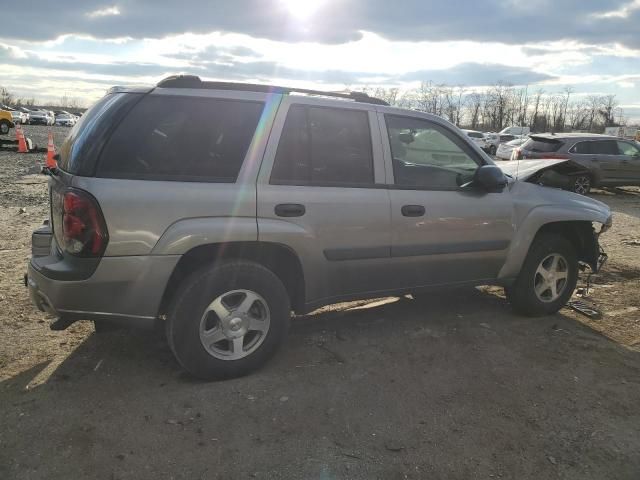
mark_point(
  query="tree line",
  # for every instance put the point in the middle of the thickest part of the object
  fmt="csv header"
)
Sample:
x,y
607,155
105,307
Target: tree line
x,y
8,98
504,105
498,106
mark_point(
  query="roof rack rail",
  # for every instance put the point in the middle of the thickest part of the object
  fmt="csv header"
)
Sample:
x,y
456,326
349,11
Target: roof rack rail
x,y
193,81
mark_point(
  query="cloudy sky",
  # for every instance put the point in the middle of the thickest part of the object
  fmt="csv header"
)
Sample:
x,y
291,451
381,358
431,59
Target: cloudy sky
x,y
81,47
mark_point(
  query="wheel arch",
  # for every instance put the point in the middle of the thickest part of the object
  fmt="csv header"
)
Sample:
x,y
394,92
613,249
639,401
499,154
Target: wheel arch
x,y
575,225
580,234
278,258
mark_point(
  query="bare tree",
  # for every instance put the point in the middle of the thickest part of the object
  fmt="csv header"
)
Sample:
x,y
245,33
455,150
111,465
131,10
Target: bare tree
x,y
6,97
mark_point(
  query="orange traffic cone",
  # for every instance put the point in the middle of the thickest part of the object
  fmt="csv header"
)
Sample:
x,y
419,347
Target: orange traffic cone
x,y
51,153
22,143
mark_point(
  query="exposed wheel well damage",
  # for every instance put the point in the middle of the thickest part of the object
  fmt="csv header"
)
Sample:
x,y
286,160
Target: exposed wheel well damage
x,y
581,235
278,258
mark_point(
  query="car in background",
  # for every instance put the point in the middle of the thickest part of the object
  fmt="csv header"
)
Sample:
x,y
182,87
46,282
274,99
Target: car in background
x,y
65,119
496,139
17,116
6,121
27,114
515,130
607,161
505,150
42,117
478,138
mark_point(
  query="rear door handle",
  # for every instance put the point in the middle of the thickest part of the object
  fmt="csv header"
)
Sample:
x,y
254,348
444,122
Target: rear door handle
x,y
412,210
290,210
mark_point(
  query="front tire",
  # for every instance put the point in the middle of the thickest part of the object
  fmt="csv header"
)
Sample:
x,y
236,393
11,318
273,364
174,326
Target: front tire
x,y
492,150
581,184
4,127
547,279
228,320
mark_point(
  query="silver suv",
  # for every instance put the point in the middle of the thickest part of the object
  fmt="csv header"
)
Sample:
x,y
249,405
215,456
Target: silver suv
x,y
220,208
607,161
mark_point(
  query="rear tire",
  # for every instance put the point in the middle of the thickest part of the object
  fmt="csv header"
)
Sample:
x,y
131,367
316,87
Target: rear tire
x,y
228,320
547,279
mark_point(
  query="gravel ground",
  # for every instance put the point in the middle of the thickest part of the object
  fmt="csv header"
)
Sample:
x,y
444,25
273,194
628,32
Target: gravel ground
x,y
451,386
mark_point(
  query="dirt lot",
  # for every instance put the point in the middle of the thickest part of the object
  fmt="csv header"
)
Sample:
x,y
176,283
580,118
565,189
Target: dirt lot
x,y
453,386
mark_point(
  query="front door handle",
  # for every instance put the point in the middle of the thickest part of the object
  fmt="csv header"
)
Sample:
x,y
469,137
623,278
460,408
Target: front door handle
x,y
290,210
412,210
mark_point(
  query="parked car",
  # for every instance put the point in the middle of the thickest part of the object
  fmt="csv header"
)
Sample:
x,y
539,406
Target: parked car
x,y
505,150
6,121
515,130
249,202
478,138
608,161
494,140
16,116
27,114
65,119
42,117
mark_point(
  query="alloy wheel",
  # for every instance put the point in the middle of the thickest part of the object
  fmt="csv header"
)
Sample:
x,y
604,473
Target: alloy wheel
x,y
550,279
234,325
582,185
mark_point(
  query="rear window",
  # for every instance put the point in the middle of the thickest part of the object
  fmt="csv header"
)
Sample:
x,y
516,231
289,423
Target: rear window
x,y
542,145
181,138
80,150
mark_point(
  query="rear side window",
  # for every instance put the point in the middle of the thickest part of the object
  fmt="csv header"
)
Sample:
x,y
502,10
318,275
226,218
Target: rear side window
x,y
182,139
542,145
583,148
325,147
79,152
475,134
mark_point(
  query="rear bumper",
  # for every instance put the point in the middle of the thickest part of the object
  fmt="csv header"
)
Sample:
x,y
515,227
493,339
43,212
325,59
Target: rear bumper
x,y
125,290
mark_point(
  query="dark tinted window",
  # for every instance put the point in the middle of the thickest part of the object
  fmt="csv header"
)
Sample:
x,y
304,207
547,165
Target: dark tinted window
x,y
324,146
506,138
80,150
475,134
583,148
604,147
426,155
542,145
181,138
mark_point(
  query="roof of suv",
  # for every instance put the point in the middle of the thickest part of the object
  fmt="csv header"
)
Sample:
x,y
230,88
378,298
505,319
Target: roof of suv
x,y
193,81
564,136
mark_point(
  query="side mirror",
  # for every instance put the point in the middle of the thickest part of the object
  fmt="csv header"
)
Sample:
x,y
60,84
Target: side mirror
x,y
490,178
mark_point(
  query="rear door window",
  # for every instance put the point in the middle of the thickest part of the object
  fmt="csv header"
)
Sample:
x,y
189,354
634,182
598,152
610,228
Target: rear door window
x,y
324,147
182,139
604,147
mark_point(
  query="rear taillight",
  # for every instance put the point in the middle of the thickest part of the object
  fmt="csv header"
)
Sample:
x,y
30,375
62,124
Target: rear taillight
x,y
84,232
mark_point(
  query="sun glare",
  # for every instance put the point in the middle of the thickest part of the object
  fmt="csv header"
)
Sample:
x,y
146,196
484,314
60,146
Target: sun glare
x,y
302,9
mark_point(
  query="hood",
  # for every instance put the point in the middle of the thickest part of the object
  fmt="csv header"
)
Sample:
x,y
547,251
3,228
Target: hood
x,y
526,169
